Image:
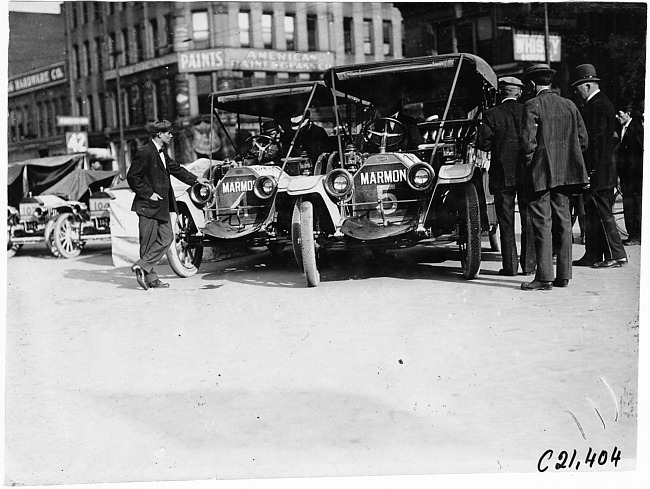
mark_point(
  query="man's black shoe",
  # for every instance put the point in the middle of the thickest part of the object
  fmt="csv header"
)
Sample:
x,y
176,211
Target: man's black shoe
x,y
505,273
139,275
537,285
527,273
611,263
583,262
157,284
632,242
561,282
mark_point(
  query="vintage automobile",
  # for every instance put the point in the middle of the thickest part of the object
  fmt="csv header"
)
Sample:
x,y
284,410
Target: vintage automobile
x,y
386,187
248,202
65,205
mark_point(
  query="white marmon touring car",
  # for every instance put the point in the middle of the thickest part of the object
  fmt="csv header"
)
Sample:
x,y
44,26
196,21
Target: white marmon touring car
x,y
249,200
384,187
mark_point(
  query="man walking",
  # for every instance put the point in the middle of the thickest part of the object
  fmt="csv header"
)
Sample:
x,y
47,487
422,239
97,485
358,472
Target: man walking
x,y
553,136
499,133
149,178
603,246
629,164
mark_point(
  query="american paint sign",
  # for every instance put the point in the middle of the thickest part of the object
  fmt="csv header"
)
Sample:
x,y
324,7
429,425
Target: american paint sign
x,y
255,60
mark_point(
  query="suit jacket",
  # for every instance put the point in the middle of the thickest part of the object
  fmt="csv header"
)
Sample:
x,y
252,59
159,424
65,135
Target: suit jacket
x,y
629,152
148,175
499,133
553,137
599,117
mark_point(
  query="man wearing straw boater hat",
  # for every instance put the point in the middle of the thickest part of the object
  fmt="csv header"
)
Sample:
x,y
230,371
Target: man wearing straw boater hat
x,y
553,136
499,134
603,245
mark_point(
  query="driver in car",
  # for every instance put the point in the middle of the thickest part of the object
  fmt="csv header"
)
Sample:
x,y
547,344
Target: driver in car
x,y
389,105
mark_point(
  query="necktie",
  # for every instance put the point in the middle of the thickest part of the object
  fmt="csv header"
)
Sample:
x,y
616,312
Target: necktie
x,y
163,156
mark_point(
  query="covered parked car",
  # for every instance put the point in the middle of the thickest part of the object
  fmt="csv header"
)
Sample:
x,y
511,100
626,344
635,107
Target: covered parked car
x,y
409,170
55,201
248,201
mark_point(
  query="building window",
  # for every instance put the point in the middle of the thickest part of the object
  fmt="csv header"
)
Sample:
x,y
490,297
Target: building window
x,y
97,10
139,45
91,113
154,41
348,35
203,91
101,111
165,101
169,30
112,48
368,48
200,29
444,40
84,10
244,21
267,30
124,42
290,32
85,59
312,33
75,61
75,20
98,54
387,34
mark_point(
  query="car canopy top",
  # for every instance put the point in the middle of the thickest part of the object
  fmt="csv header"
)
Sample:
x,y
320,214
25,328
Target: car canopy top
x,y
279,102
417,80
39,174
75,184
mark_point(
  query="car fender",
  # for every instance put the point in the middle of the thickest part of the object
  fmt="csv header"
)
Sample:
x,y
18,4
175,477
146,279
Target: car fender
x,y
455,174
311,187
197,214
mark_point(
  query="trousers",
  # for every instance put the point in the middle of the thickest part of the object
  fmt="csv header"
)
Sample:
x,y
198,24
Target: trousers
x,y
155,238
504,205
549,210
602,240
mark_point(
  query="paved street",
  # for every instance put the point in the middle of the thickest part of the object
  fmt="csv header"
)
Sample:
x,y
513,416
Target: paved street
x,y
399,367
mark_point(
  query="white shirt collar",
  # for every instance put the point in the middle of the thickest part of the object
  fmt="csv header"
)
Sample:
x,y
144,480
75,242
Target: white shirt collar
x,y
591,95
509,98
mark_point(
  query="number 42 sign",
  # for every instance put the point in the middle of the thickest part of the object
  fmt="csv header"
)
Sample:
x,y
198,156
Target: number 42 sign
x,y
76,142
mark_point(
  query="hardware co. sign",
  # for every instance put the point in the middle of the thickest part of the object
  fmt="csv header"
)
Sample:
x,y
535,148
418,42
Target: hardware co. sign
x,y
255,60
38,79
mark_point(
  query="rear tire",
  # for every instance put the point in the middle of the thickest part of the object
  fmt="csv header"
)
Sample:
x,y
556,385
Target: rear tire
x,y
469,241
67,236
183,259
303,239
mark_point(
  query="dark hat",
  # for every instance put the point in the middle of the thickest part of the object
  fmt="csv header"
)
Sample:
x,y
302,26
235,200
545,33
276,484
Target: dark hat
x,y
510,80
298,120
585,73
538,69
624,105
270,126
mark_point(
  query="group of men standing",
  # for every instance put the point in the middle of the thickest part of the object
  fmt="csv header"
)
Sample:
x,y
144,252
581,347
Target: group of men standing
x,y
545,152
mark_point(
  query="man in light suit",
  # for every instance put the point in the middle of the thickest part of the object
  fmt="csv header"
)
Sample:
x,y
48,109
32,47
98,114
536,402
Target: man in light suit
x,y
499,134
603,245
154,197
553,136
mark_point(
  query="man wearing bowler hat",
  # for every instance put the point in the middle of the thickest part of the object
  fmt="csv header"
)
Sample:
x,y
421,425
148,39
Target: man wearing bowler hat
x,y
603,245
499,134
553,136
311,138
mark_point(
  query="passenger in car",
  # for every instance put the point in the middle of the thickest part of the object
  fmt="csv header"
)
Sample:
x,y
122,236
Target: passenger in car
x,y
312,139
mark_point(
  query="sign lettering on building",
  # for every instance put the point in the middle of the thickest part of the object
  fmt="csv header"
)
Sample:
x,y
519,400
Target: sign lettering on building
x,y
530,47
53,75
255,60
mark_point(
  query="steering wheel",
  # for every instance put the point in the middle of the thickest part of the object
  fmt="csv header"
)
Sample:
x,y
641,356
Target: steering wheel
x,y
262,146
384,132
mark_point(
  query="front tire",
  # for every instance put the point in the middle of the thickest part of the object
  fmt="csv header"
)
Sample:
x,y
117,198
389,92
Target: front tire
x,y
184,259
469,241
302,235
49,238
67,236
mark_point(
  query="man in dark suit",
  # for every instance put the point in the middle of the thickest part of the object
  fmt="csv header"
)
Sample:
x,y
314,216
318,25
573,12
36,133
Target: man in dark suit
x,y
149,178
629,164
499,134
603,245
553,136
